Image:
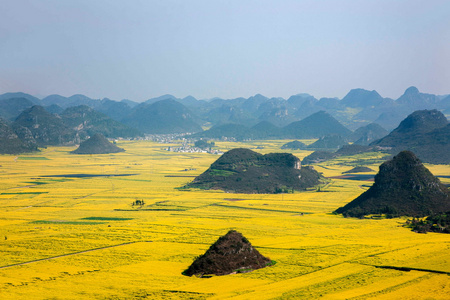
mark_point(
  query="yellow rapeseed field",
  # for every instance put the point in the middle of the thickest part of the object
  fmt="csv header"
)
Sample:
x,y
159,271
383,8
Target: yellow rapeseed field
x,y
69,230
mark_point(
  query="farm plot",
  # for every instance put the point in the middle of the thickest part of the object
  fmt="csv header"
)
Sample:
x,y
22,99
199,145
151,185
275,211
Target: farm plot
x,y
122,237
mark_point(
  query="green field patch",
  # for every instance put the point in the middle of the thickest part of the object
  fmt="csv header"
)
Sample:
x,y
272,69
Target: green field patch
x,y
65,222
153,209
182,188
49,180
261,209
106,219
87,175
25,193
37,182
132,179
360,177
225,173
33,158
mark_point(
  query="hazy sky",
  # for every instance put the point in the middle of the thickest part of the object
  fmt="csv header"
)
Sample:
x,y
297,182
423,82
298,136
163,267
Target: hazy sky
x,y
143,49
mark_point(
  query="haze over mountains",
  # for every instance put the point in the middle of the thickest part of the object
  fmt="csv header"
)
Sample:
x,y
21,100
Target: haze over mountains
x,y
358,107
425,132
57,120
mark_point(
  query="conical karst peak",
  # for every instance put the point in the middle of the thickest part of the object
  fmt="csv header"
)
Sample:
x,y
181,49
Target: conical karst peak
x,y
411,90
402,187
97,144
231,253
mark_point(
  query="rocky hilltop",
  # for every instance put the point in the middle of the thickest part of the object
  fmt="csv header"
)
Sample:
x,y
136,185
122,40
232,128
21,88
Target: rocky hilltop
x,y
245,171
231,253
403,187
97,144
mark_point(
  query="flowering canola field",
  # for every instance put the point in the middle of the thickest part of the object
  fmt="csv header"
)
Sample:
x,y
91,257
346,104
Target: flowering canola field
x,y
69,230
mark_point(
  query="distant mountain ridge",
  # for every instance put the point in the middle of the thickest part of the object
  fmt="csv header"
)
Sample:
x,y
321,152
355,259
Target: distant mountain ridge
x,y
162,117
87,122
317,125
358,108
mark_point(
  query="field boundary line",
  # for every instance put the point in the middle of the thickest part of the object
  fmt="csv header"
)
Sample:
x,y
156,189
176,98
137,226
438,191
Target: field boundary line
x,y
69,254
408,269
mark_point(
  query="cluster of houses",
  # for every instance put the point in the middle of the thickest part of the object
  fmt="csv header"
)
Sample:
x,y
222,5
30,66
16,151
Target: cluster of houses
x,y
185,144
165,138
189,149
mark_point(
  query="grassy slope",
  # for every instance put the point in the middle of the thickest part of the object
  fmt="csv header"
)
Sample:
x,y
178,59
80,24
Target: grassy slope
x,y
317,254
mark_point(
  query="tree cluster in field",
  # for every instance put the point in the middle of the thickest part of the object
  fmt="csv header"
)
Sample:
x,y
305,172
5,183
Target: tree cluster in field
x,y
138,203
434,223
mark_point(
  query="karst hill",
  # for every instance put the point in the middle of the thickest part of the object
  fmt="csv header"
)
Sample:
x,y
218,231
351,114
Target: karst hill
x,y
245,171
402,187
230,254
87,122
425,132
359,169
97,144
10,142
46,128
294,145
